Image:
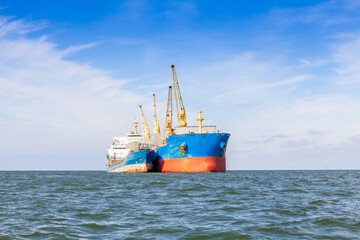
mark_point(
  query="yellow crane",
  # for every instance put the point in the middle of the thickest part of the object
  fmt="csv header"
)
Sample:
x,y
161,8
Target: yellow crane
x,y
156,120
178,100
168,118
144,125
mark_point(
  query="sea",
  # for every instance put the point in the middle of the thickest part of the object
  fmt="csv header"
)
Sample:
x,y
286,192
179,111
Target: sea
x,y
230,205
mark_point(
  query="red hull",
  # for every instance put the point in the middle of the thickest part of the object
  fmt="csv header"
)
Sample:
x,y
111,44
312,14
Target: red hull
x,y
192,164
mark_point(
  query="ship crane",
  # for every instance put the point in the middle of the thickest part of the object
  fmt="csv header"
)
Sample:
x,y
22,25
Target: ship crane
x,y
144,125
168,118
156,120
178,100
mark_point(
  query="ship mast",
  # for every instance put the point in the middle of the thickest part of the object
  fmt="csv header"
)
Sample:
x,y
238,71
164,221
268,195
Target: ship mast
x,y
156,120
135,125
144,125
168,118
200,119
178,100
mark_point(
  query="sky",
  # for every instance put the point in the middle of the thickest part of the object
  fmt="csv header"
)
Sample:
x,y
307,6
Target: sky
x,y
282,77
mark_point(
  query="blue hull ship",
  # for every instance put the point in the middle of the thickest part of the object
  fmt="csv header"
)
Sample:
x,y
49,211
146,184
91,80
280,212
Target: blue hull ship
x,y
193,153
179,148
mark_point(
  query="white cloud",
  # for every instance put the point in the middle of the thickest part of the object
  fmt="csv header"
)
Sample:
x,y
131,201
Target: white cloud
x,y
346,56
74,49
241,77
318,128
52,106
10,26
328,13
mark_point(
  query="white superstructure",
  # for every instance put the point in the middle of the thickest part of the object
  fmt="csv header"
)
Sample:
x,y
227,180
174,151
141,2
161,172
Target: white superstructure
x,y
122,146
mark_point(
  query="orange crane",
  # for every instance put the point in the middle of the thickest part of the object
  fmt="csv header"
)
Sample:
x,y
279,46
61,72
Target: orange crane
x,y
168,118
178,100
144,125
156,125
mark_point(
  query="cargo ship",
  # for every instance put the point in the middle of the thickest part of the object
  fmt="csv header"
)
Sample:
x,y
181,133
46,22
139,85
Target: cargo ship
x,y
179,148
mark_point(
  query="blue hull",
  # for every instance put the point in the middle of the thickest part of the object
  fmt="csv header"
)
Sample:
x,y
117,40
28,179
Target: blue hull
x,y
194,145
141,161
199,152
196,152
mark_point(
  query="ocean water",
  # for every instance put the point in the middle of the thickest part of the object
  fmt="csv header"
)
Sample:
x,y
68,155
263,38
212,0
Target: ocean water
x,y
231,205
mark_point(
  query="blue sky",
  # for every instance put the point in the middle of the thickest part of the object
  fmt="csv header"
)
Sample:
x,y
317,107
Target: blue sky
x,y
283,78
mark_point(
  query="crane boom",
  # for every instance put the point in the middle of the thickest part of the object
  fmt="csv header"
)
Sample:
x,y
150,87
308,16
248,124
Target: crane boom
x,y
144,125
168,118
178,100
156,120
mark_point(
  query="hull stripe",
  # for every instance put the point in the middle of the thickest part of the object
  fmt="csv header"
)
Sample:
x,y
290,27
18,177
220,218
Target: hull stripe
x,y
191,164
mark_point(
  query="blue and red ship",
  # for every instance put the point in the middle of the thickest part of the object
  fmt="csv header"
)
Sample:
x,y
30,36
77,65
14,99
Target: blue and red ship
x,y
179,149
195,152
